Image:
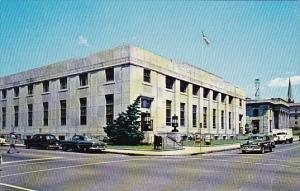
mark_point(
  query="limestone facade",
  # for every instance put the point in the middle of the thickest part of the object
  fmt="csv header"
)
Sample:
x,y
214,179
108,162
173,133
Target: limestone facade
x,y
81,95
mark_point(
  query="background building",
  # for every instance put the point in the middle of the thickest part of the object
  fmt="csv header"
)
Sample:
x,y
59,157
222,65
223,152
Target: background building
x,y
295,115
83,95
267,114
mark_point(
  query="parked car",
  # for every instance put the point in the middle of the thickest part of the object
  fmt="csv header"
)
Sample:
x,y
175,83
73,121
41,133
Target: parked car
x,y
257,143
283,135
83,143
43,141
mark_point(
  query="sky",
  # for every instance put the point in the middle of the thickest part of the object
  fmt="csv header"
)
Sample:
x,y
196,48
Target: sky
x,y
249,40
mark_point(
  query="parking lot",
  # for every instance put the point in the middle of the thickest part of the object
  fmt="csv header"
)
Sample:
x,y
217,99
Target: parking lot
x,y
33,169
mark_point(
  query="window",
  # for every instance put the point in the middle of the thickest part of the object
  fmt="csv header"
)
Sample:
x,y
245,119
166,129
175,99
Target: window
x,y
30,114
214,118
168,112
255,112
147,75
4,93
215,96
61,138
146,102
83,79
16,91
45,119
194,115
223,98
83,111
110,76
46,86
63,83
230,99
109,108
63,112
182,114
296,122
30,89
183,86
195,89
205,93
3,117
229,121
222,119
241,101
16,108
204,117
169,82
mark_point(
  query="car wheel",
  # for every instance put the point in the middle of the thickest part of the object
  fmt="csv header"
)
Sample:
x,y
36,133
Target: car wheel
x,y
270,148
244,152
262,150
64,148
291,140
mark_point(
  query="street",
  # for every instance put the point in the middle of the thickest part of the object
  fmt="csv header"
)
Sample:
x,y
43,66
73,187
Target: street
x,y
57,171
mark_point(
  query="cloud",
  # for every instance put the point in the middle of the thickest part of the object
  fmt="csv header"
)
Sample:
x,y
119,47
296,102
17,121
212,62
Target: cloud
x,y
284,82
83,41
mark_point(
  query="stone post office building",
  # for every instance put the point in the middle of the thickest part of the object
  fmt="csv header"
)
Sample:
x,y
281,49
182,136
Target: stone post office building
x,y
82,95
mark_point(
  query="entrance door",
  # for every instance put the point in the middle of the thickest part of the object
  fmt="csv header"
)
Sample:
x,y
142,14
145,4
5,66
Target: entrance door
x,y
146,122
255,125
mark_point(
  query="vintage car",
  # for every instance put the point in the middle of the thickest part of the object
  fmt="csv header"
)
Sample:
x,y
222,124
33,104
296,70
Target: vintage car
x,y
83,143
43,141
257,143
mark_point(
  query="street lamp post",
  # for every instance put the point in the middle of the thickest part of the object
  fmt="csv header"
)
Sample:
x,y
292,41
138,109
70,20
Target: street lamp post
x,y
174,123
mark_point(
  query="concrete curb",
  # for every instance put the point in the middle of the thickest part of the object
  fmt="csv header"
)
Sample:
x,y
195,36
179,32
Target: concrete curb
x,y
166,153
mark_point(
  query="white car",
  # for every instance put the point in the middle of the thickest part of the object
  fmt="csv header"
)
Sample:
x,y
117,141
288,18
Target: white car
x,y
2,141
283,136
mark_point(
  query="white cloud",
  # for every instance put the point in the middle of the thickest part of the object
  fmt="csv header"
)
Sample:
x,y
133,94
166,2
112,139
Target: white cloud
x,y
284,82
83,41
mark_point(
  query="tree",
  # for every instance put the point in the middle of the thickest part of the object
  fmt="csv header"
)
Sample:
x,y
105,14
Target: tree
x,y
125,129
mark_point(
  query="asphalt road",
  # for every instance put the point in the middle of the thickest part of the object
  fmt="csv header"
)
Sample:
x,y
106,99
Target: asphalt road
x,y
58,171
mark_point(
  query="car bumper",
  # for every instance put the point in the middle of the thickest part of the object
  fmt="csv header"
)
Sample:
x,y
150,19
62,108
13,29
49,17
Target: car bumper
x,y
96,148
250,149
53,146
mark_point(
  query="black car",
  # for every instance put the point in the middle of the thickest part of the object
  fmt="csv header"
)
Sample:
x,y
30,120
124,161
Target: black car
x,y
43,141
259,143
83,143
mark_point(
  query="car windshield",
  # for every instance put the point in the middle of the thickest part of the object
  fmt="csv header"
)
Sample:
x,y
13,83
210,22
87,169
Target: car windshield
x,y
256,138
87,138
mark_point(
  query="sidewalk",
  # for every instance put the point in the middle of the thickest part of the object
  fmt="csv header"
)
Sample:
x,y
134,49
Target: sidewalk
x,y
184,152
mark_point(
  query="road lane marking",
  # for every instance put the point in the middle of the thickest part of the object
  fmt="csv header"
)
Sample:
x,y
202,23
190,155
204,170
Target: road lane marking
x,y
244,162
33,163
231,161
257,158
16,187
73,166
30,160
